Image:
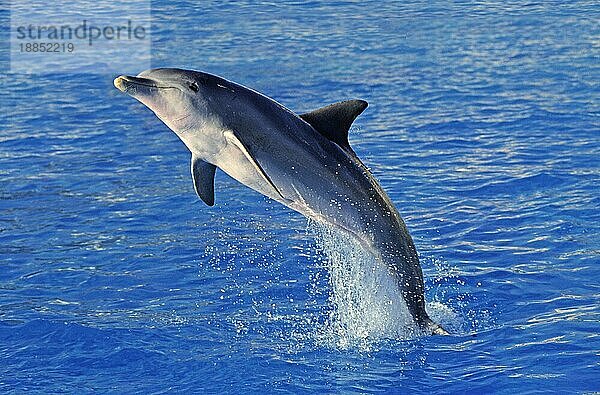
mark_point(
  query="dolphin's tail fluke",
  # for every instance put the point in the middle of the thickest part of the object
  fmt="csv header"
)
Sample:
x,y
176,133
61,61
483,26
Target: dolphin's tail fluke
x,y
435,328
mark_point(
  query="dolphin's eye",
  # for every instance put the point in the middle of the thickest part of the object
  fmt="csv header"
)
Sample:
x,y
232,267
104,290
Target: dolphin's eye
x,y
193,86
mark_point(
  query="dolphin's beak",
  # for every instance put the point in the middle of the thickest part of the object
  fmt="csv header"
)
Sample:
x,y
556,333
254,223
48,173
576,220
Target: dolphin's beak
x,y
120,83
124,82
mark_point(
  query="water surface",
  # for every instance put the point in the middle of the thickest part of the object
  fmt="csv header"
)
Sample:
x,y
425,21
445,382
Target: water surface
x,y
482,126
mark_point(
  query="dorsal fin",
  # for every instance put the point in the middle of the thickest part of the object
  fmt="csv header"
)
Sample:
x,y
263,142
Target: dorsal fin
x,y
334,120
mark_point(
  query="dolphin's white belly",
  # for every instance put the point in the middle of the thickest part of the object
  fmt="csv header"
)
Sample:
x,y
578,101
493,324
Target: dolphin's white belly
x,y
234,161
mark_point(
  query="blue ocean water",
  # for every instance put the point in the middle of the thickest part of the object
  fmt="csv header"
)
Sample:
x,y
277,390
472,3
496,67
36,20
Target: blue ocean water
x,y
483,127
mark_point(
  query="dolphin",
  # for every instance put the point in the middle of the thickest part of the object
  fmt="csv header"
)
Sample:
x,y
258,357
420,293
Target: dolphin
x,y
304,162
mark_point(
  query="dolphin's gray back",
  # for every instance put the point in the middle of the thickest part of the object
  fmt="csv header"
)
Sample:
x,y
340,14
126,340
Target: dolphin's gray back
x,y
330,184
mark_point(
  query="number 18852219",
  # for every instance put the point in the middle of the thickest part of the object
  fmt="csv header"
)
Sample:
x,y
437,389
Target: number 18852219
x,y
47,47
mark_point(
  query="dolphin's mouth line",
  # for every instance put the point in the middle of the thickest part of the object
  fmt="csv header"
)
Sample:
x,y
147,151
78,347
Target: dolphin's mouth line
x,y
123,82
151,85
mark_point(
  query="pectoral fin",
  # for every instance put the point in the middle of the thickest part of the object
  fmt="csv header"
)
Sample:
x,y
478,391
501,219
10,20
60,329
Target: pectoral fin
x,y
203,174
234,140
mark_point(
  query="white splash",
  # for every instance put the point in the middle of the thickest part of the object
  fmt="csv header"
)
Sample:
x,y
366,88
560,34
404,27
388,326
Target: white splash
x,y
366,304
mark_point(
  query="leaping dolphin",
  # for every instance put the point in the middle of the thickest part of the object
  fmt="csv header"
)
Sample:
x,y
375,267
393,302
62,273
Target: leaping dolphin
x,y
302,161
